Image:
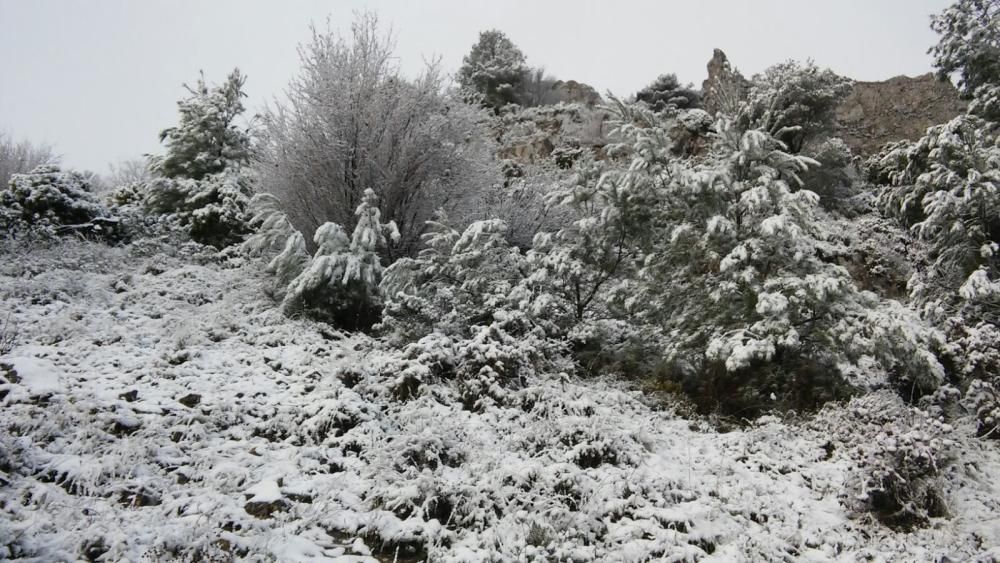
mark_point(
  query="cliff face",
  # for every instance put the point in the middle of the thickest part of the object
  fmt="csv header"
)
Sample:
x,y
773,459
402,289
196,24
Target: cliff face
x,y
875,113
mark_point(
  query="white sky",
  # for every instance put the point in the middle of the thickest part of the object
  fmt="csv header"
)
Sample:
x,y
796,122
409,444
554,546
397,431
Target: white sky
x,y
98,79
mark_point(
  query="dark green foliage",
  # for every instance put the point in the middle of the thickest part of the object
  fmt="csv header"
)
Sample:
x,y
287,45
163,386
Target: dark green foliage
x,y
495,69
667,92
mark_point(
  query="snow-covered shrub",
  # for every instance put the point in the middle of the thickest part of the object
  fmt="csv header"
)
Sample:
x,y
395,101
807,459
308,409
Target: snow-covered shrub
x,y
901,455
54,201
457,281
616,346
340,283
983,399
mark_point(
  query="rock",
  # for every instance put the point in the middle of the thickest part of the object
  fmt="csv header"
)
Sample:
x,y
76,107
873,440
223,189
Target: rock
x,y
263,510
723,83
534,150
190,401
573,92
875,113
129,396
872,114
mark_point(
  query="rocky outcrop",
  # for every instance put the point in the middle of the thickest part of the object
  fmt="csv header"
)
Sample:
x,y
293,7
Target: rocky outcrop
x,y
573,92
724,84
872,114
875,113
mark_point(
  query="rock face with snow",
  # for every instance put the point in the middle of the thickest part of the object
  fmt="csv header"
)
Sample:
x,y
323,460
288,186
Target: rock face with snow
x,y
872,114
903,107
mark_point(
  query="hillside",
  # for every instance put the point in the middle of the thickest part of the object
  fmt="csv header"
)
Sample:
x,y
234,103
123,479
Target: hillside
x,y
157,407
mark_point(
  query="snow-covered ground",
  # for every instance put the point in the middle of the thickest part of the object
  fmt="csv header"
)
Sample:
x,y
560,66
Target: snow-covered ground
x,y
158,407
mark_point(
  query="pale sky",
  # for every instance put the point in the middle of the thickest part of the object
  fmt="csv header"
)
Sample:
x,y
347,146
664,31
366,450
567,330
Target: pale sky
x,y
99,79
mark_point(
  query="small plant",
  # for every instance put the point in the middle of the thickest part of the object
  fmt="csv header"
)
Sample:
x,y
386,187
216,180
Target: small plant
x,y
900,461
8,336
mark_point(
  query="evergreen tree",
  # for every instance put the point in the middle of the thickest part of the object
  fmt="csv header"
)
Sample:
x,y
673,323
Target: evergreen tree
x,y
340,283
206,140
969,44
495,68
667,92
200,178
793,102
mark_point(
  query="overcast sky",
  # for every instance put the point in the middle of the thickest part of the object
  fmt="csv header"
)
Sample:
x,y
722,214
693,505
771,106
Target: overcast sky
x,y
99,79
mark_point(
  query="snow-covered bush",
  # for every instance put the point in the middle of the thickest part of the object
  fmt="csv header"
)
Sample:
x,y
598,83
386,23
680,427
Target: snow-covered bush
x,y
983,399
901,455
339,284
54,201
353,122
458,280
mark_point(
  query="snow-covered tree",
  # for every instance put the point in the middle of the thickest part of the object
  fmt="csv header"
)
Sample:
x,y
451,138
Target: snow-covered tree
x,y
495,69
340,283
207,139
201,178
215,209
353,122
793,102
969,44
724,255
667,92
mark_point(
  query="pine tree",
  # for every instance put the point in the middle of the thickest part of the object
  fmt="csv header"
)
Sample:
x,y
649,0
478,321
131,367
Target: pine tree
x,y
667,92
969,44
340,283
200,178
206,140
495,68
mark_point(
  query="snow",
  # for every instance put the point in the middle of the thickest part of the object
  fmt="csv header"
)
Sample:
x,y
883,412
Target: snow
x,y
38,376
265,491
564,469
